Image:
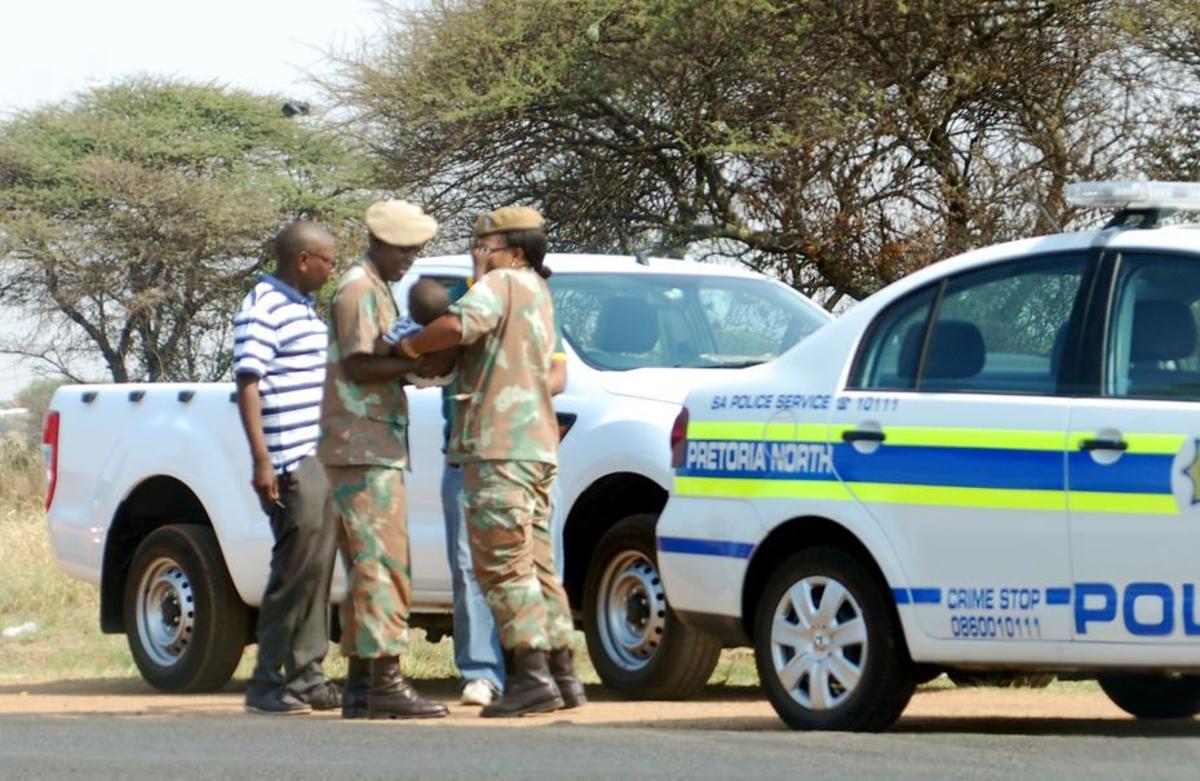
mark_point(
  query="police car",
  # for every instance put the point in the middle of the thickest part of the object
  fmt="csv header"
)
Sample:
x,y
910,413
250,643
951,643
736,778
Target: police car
x,y
992,464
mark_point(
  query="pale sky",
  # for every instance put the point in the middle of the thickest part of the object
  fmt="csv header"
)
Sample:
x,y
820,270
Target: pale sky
x,y
52,49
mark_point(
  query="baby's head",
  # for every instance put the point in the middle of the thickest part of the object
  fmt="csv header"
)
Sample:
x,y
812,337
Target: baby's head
x,y
427,301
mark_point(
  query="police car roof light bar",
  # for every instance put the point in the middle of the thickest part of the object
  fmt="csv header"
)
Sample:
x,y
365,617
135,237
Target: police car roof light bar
x,y
1138,204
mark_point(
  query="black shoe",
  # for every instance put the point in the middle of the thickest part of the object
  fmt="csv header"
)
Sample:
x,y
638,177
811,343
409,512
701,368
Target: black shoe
x,y
528,689
358,683
275,702
392,697
324,696
562,667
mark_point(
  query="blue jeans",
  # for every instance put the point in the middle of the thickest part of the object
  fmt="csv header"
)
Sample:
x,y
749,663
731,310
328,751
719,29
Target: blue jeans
x,y
477,650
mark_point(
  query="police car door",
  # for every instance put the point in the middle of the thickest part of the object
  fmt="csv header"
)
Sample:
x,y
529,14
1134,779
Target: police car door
x,y
1134,467
951,432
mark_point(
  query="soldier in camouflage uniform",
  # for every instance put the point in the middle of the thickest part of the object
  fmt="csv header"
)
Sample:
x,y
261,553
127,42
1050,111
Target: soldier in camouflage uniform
x,y
364,448
506,435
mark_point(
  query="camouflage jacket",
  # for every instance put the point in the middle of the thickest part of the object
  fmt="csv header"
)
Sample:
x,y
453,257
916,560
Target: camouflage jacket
x,y
361,423
502,408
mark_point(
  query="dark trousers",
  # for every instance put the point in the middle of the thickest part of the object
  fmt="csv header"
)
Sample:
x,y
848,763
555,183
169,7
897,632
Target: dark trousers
x,y
293,621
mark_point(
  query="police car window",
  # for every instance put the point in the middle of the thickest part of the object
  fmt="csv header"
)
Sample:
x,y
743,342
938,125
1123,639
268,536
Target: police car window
x,y
893,346
1154,333
999,330
1002,329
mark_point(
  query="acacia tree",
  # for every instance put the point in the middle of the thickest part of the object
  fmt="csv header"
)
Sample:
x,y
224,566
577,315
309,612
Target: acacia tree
x,y
838,145
132,219
1171,32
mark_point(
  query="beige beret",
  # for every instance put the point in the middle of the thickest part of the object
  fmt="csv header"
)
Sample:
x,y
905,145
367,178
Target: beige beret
x,y
509,218
400,223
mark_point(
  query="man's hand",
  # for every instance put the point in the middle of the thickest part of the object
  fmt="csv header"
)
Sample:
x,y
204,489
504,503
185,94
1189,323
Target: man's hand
x,y
262,478
264,482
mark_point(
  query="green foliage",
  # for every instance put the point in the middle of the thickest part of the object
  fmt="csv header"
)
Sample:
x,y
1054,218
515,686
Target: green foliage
x,y
132,217
839,145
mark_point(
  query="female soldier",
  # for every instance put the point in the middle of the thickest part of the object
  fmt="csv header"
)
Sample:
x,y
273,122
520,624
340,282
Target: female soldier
x,y
507,435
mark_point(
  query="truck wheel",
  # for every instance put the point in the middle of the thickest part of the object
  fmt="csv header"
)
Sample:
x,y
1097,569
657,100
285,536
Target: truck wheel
x,y
1154,696
185,623
638,645
828,646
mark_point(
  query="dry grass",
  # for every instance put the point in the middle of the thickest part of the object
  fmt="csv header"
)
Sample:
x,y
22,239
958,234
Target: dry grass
x,y
67,639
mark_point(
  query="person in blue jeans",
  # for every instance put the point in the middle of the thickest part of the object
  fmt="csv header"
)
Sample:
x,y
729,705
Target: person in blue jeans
x,y
477,651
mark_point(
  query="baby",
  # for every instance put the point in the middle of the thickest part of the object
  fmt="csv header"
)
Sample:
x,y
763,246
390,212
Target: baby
x,y
427,301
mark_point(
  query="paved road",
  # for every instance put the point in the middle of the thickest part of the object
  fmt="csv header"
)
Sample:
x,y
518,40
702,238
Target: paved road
x,y
58,731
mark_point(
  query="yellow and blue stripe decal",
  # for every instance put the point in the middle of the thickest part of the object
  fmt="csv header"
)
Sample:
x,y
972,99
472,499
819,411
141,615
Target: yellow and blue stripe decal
x,y
951,467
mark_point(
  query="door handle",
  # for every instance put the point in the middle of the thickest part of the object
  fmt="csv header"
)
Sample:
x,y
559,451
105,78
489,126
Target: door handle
x,y
1103,444
857,435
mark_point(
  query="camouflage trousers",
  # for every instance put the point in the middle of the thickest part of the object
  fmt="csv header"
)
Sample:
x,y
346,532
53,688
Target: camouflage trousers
x,y
368,504
508,522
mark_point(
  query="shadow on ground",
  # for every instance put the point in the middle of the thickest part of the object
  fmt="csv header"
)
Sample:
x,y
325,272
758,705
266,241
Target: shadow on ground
x,y
726,704
446,688
940,725
1030,726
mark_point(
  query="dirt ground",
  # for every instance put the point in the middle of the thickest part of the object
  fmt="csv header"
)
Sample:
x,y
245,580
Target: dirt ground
x,y
729,708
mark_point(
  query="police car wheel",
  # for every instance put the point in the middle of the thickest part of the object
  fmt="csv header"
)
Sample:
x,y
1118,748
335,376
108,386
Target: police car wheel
x,y
636,642
1154,696
184,621
828,646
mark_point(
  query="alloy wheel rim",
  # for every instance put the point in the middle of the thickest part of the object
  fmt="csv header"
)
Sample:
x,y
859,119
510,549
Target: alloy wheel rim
x,y
819,643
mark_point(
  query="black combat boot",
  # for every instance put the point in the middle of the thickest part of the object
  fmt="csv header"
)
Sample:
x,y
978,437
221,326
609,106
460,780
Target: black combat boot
x,y
528,689
562,667
358,683
392,697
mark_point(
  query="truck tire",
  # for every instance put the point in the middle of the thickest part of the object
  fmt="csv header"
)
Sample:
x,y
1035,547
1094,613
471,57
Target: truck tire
x,y
185,623
1149,696
638,645
828,646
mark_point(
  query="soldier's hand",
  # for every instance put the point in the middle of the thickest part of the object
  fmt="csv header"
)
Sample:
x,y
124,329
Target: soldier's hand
x,y
264,483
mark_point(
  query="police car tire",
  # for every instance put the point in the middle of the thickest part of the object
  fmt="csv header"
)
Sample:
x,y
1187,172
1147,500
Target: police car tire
x,y
184,562
888,678
684,658
1154,696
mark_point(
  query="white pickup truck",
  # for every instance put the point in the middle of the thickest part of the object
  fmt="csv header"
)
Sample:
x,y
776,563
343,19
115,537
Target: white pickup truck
x,y
149,493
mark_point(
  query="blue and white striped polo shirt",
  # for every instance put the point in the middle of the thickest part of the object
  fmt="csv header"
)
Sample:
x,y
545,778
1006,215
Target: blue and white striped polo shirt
x,y
278,337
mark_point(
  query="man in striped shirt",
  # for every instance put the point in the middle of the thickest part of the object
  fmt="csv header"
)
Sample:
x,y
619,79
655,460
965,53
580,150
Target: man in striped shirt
x,y
279,362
